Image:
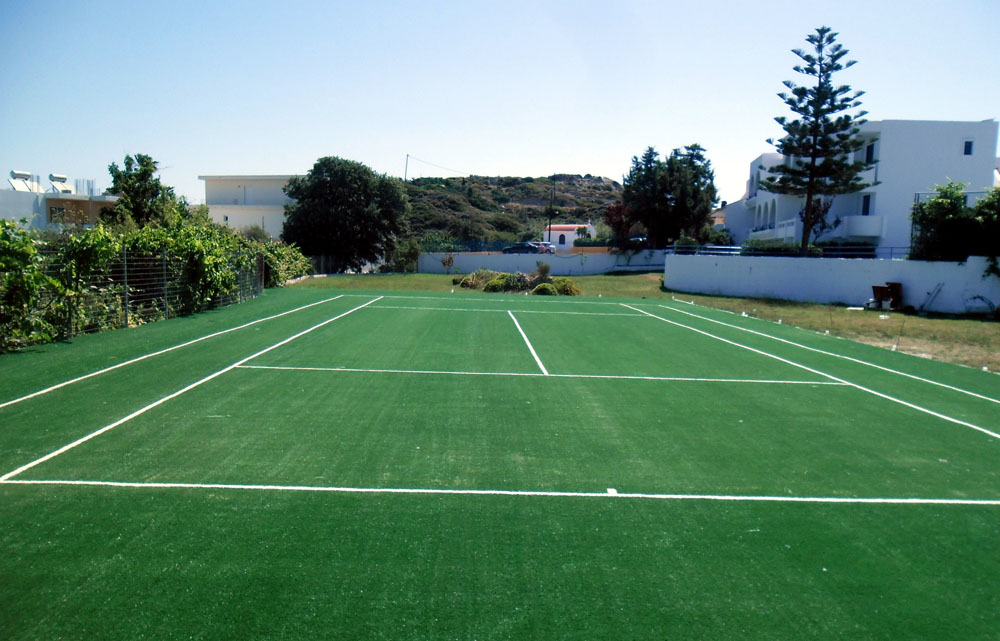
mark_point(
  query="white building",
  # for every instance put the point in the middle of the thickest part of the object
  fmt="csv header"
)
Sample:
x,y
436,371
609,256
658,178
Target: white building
x,y
563,235
911,157
60,203
245,201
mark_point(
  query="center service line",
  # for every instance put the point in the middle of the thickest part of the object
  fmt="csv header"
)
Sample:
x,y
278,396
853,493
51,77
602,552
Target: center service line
x,y
163,400
526,342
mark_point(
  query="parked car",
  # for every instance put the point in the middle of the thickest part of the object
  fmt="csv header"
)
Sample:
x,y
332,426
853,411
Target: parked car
x,y
521,248
545,247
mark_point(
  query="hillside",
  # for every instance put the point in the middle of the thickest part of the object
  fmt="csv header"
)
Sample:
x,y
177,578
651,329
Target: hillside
x,y
504,209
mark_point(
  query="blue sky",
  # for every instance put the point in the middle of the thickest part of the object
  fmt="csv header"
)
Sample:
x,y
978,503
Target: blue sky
x,y
489,88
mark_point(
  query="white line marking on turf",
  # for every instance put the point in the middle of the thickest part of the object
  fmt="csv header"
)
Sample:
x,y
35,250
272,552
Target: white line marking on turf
x,y
163,400
830,376
162,351
538,375
834,354
610,493
528,343
501,311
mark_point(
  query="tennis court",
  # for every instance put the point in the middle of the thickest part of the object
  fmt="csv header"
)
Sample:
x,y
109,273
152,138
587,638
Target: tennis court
x,y
395,466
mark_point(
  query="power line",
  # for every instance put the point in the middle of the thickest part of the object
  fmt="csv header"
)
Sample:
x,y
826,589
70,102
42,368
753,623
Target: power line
x,y
454,171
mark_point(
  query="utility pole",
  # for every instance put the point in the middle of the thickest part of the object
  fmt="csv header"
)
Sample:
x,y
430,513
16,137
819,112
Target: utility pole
x,y
407,167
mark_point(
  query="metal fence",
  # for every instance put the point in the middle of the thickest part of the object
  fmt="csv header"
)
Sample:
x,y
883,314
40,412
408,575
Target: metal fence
x,y
135,289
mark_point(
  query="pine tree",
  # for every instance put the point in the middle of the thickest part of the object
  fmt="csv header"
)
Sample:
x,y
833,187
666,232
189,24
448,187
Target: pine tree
x,y
819,146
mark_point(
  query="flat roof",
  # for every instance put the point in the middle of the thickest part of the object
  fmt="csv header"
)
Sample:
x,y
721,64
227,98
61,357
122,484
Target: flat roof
x,y
249,177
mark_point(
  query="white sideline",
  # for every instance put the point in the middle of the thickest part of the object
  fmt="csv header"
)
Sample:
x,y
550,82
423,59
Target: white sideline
x,y
826,353
830,376
538,375
162,351
528,343
190,387
607,494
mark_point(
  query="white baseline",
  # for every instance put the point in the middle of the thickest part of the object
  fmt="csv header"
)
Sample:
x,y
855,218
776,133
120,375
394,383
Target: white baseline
x,y
525,493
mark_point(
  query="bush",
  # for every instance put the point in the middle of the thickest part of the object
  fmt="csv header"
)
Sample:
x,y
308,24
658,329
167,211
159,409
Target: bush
x,y
755,247
565,286
477,279
21,281
685,245
495,285
544,289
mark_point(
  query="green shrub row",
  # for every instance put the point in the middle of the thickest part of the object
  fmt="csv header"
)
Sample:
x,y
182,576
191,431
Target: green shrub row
x,y
54,285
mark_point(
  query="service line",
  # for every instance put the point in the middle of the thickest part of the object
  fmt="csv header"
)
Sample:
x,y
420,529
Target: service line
x,y
163,400
824,374
162,351
835,355
621,377
607,494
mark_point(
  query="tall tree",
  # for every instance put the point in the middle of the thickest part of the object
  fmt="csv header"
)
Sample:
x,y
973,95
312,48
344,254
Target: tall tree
x,y
819,145
691,183
344,210
142,198
669,198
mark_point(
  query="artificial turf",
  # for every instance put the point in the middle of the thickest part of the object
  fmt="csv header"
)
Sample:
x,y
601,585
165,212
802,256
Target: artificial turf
x,y
442,393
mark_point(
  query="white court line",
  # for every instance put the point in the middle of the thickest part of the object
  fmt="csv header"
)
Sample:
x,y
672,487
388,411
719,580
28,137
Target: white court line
x,y
607,494
506,300
537,375
162,351
528,343
501,311
830,376
163,400
825,353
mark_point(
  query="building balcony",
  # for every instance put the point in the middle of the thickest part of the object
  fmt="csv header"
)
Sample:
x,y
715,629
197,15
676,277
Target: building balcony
x,y
867,227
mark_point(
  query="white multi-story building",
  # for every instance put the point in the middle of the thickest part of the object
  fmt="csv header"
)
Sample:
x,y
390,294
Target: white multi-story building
x,y
911,157
245,201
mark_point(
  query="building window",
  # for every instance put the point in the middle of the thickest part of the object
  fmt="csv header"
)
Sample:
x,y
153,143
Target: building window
x,y
562,239
870,153
967,150
57,214
225,219
866,205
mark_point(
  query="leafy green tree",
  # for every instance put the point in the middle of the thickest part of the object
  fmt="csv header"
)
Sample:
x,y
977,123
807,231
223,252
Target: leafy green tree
x,y
142,198
344,210
22,280
987,212
819,145
946,228
669,198
691,182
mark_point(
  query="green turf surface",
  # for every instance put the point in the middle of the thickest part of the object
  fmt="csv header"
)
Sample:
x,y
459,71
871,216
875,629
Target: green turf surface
x,y
442,393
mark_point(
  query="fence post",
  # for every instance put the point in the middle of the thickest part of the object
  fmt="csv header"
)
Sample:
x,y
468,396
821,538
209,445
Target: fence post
x,y
125,279
163,261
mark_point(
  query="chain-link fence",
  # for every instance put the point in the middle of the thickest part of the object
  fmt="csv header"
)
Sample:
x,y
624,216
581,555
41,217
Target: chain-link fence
x,y
135,289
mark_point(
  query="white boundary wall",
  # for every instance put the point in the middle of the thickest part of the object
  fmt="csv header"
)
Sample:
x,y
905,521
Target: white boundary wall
x,y
561,264
833,280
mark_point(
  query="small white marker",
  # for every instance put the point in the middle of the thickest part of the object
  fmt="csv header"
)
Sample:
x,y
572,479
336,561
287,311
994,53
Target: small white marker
x,y
612,491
